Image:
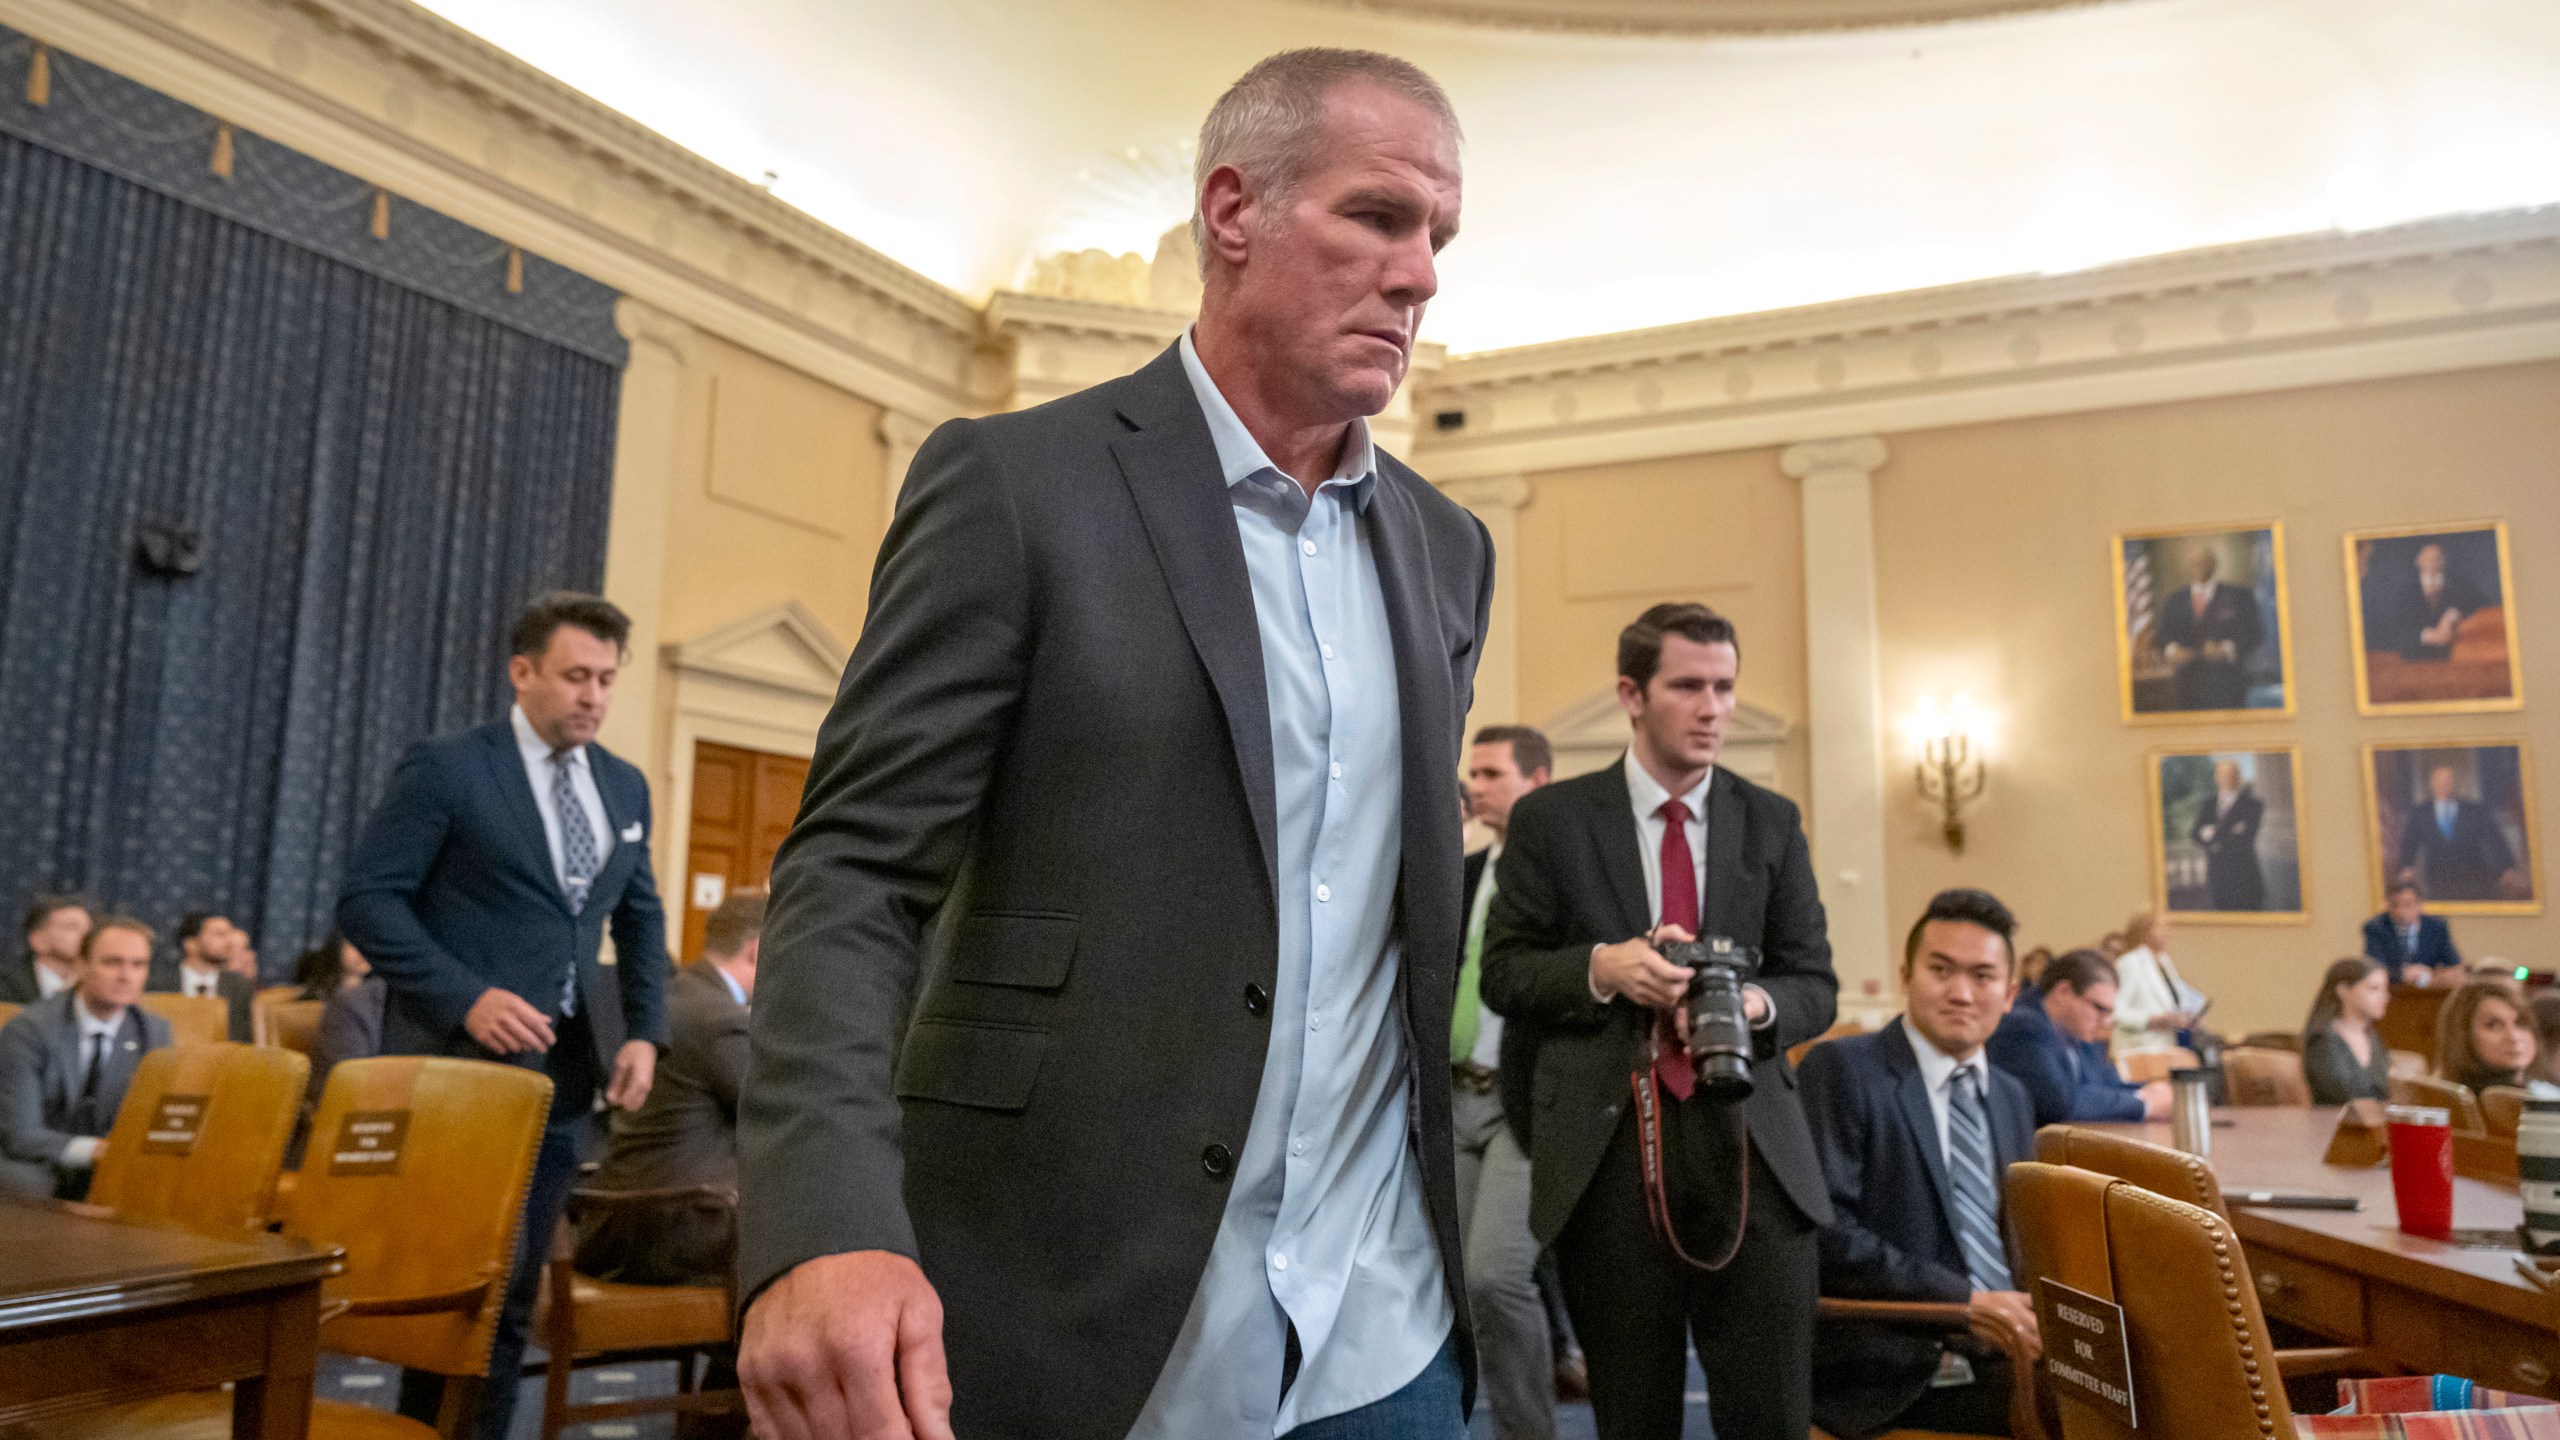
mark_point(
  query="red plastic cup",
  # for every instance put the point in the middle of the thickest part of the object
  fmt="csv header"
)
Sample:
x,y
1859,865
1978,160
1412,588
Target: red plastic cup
x,y
2422,1169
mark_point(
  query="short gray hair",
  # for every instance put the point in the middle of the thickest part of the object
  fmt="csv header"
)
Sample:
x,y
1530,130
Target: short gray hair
x,y
1270,122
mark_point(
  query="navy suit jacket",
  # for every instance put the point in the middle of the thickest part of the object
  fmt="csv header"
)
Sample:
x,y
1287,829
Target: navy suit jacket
x,y
451,891
2066,1080
1890,1237
2435,945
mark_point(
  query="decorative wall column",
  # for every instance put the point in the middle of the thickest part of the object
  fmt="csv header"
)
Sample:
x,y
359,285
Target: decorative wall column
x,y
1844,694
1496,500
635,559
900,435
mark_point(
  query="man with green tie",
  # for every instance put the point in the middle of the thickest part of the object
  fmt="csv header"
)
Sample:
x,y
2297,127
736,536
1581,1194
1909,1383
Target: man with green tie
x,y
1518,1386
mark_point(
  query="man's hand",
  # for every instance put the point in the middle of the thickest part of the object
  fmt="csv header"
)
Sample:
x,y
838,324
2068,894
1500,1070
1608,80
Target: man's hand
x,y
1634,969
505,1023
847,1347
2011,1306
2155,1100
635,1066
2416,975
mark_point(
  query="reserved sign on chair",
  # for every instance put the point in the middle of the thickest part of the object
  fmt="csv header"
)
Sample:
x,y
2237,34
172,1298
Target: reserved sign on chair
x,y
2084,1350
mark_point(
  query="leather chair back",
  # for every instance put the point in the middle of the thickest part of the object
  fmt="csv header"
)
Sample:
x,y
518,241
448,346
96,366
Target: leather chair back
x,y
9,1011
2409,1062
2501,1110
2273,1040
2254,1076
242,1101
2156,1168
291,1025
430,1232
2443,1094
2144,1066
2201,1359
193,1019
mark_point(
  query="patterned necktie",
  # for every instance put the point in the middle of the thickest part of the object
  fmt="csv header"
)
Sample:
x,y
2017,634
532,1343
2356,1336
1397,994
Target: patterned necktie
x,y
1975,1186
1672,1069
1468,1019
578,861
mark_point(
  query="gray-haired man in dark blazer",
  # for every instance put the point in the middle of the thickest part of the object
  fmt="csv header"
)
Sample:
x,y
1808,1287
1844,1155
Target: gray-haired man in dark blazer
x,y
1100,1080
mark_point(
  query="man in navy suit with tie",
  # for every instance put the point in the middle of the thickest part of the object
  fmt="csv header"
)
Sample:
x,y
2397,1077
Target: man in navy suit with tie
x,y
481,891
1916,1130
2408,941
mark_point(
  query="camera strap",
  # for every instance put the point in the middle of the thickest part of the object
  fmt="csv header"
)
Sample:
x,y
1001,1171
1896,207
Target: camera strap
x,y
1649,1146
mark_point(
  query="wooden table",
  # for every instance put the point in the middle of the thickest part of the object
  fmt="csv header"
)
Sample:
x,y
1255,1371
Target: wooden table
x,y
95,1311
2354,1278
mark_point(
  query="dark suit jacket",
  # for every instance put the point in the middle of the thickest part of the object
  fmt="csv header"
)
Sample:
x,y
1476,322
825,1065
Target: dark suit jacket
x,y
2231,615
40,1079
1571,878
18,979
239,993
2397,611
2232,871
2066,1080
1517,1063
686,1135
1891,1237
451,891
1052,751
2435,945
2466,866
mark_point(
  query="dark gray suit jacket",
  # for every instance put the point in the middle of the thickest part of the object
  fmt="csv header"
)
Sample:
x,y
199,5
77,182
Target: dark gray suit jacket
x,y
239,993
40,1078
1013,1002
686,1135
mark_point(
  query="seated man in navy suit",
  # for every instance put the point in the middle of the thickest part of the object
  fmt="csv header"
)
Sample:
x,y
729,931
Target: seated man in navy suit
x,y
481,891
2054,1041
1916,1130
2407,941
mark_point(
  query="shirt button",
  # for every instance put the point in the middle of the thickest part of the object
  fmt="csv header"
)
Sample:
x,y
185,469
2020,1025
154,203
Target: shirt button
x,y
1315,1022
1279,1262
1337,771
1297,1147
1308,546
1256,999
1217,1160
1328,651
1324,894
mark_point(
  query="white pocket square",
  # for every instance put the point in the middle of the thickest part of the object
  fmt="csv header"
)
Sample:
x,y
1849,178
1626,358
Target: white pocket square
x,y
631,833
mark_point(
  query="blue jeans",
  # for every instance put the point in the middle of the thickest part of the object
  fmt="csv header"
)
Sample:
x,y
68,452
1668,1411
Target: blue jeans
x,y
1427,1408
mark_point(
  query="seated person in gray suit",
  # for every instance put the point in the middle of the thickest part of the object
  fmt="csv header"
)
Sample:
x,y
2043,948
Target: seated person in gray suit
x,y
207,945
687,1133
65,1063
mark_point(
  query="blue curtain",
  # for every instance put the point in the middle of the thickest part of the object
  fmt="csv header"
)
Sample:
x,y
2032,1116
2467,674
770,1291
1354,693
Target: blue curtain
x,y
379,479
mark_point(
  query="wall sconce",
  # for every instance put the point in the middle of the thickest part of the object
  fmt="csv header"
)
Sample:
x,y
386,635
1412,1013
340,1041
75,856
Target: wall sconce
x,y
1949,774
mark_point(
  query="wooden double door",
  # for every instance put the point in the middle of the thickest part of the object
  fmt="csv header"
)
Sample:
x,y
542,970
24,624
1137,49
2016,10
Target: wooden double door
x,y
743,804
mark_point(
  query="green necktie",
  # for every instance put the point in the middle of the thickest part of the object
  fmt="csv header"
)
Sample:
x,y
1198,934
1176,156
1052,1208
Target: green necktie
x,y
1469,1016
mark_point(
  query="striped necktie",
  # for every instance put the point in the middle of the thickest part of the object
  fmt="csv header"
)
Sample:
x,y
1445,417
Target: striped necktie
x,y
1975,1184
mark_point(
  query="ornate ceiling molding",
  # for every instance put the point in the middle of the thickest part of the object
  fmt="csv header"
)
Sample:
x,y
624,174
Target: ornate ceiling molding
x,y
2441,295
1701,17
388,91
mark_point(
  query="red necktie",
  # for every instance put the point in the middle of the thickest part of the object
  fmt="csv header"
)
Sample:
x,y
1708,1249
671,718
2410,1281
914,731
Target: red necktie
x,y
1671,1067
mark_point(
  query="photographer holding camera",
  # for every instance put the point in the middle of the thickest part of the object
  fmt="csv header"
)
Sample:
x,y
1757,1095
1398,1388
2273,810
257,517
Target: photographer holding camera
x,y
1607,882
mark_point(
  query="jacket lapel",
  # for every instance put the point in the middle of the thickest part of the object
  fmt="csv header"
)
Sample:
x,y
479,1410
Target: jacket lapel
x,y
1171,467
1725,819
66,1050
515,796
1613,829
1911,1097
1403,556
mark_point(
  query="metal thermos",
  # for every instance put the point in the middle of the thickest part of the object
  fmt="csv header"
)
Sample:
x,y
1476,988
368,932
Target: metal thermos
x,y
2191,1112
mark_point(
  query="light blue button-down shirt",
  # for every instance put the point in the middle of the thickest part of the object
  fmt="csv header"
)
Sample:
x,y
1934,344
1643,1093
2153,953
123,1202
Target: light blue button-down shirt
x,y
1325,1228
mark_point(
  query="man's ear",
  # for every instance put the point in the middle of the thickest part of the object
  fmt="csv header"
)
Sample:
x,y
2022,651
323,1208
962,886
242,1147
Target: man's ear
x,y
521,670
1225,203
1630,697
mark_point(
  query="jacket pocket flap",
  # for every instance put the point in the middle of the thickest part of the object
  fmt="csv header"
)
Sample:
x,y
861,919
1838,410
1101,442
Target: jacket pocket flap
x,y
1031,951
990,1067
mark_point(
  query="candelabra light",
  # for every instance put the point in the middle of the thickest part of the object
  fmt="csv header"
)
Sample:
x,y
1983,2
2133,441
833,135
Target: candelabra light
x,y
1949,773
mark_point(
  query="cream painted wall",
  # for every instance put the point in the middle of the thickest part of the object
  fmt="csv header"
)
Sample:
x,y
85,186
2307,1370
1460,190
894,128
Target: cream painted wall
x,y
1993,575
1599,544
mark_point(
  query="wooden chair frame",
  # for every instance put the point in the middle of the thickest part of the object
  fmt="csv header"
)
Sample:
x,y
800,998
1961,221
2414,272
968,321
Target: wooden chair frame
x,y
560,1321
2026,1419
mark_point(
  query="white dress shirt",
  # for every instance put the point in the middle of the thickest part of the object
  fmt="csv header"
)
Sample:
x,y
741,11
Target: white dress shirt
x,y
49,981
195,981
1938,1074
1647,795
582,783
98,1040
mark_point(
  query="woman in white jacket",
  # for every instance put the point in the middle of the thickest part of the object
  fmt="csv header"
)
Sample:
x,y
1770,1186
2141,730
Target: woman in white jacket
x,y
2153,1001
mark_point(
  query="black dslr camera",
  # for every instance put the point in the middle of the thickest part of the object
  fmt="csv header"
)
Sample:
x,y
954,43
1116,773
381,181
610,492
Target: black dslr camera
x,y
1719,1030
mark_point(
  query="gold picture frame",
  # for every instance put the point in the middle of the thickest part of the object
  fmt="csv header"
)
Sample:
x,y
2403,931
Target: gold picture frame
x,y
2153,684
2390,805
2414,676
2197,881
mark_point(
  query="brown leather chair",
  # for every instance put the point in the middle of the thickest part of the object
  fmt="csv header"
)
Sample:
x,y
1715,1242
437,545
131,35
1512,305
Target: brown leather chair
x,y
2408,1062
2443,1094
2196,1337
2273,1040
1795,1052
2501,1110
2144,1066
2261,1077
193,1019
9,1011
291,1025
217,1174
607,1322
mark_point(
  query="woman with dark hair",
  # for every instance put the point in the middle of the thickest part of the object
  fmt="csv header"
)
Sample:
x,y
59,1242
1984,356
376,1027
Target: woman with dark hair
x,y
2342,1054
2546,1031
2486,1037
329,967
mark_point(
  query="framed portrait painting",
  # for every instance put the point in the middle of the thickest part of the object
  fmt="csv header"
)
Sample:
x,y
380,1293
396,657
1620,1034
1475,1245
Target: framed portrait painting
x,y
2226,835
2458,820
2202,626
2428,611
